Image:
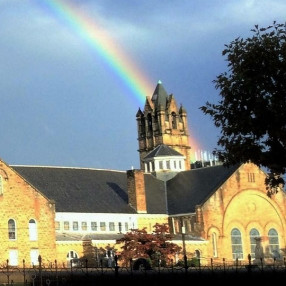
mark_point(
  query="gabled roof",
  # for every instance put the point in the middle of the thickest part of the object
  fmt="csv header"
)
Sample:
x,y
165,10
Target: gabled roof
x,y
163,150
193,187
80,190
105,191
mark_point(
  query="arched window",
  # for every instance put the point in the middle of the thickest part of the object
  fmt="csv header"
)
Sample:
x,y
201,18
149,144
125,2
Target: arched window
x,y
274,243
198,253
254,235
214,243
72,257
236,244
33,230
174,120
11,229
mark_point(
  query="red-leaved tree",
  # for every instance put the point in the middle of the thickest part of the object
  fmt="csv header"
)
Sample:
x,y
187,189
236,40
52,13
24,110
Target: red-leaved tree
x,y
139,244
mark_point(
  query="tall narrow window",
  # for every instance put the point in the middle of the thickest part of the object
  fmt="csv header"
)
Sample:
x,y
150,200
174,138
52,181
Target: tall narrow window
x,y
1,185
120,227
94,226
66,225
11,229
149,118
111,226
58,225
236,244
33,230
75,225
251,177
214,243
84,225
174,120
142,124
13,257
102,226
126,226
273,243
34,254
168,165
254,235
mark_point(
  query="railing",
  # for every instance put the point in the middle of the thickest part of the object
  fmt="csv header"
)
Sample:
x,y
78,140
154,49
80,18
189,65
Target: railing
x,y
59,275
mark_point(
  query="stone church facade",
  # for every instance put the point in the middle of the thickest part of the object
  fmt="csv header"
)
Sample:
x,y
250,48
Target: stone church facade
x,y
215,213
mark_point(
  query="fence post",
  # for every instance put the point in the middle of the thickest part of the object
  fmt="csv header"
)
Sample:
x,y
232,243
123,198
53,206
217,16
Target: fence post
x,y
261,261
24,271
86,265
40,270
131,266
186,263
116,265
56,265
223,265
8,275
101,265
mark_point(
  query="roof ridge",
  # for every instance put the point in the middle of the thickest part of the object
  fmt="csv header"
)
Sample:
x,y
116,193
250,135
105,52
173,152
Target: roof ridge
x,y
64,167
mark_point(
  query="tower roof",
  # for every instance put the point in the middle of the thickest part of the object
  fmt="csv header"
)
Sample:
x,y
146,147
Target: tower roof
x,y
160,96
163,150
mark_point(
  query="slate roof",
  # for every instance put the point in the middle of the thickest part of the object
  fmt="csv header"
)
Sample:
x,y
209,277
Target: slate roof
x,y
86,236
163,150
193,187
155,195
160,96
105,191
80,190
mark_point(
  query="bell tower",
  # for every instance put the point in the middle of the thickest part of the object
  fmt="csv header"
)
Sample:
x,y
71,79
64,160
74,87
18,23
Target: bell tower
x,y
162,122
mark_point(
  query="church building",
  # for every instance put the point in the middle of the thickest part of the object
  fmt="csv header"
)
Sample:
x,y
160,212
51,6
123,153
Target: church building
x,y
215,213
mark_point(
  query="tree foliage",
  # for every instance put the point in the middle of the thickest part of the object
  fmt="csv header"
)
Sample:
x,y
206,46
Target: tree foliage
x,y
251,114
139,243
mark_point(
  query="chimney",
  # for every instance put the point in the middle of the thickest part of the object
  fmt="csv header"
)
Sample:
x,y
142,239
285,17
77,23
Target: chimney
x,y
136,190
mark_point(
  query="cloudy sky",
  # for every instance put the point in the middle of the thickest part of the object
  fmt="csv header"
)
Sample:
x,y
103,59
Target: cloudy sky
x,y
68,67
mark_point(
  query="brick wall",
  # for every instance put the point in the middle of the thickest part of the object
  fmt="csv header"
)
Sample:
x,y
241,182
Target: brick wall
x,y
22,202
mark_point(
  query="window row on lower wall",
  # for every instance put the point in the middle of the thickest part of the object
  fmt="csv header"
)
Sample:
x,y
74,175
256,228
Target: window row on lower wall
x,y
93,226
260,248
31,226
13,259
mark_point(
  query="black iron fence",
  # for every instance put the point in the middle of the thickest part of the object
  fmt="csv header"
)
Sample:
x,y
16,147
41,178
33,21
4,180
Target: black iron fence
x,y
83,274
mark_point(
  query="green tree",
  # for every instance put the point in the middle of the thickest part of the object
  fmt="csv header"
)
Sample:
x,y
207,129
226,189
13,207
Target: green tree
x,y
138,243
251,113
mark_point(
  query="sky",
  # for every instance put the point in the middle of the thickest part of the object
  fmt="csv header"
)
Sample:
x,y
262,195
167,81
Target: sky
x,y
74,73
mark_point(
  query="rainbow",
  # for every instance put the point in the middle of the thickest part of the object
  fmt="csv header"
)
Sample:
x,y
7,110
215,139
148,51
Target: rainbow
x,y
99,40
